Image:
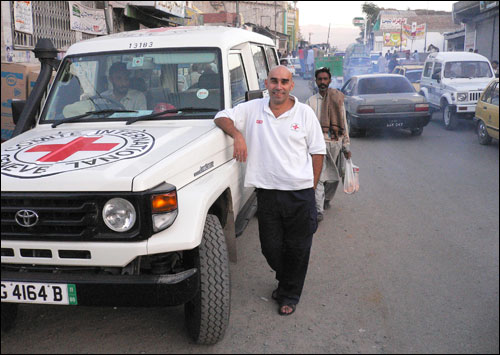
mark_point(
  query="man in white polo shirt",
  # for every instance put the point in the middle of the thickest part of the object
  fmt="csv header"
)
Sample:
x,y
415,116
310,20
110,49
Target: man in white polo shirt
x,y
283,142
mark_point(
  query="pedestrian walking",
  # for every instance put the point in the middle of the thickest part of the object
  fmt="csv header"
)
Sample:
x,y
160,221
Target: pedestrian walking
x,y
328,105
302,60
310,62
381,63
392,63
282,140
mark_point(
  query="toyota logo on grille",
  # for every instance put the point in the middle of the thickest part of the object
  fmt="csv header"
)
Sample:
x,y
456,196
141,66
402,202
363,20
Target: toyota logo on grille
x,y
26,218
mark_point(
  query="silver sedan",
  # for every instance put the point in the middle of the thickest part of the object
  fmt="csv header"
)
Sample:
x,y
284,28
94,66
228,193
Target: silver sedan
x,y
384,101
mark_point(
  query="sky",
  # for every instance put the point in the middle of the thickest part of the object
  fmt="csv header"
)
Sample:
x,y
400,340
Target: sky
x,y
315,16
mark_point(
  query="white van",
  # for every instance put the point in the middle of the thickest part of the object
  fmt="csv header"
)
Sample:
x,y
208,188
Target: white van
x,y
452,82
125,192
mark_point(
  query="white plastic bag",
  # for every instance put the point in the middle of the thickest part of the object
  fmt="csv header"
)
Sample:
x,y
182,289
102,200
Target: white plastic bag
x,y
351,180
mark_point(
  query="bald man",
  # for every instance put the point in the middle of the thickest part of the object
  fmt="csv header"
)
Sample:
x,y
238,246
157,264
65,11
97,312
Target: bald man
x,y
282,142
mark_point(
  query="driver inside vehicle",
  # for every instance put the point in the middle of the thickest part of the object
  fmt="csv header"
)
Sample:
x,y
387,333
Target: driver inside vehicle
x,y
120,97
130,99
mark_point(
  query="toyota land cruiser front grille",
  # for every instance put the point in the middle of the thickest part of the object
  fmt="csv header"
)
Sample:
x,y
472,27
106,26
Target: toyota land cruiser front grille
x,y
62,217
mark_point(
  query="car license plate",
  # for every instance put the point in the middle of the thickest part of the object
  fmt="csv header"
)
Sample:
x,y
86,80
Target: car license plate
x,y
394,124
41,293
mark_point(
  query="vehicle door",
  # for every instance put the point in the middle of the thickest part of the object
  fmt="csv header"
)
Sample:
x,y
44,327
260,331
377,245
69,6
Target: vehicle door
x,y
437,82
261,66
426,81
488,106
239,86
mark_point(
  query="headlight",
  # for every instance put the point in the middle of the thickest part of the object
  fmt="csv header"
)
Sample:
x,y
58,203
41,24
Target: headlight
x,y
164,208
119,215
462,96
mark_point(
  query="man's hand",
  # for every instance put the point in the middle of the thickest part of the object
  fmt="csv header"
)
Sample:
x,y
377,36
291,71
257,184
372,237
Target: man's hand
x,y
240,146
317,161
347,154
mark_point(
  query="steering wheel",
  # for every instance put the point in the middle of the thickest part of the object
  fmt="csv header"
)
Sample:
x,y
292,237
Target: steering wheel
x,y
99,99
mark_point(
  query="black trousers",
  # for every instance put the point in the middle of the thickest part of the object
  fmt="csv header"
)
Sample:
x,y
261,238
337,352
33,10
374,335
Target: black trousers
x,y
287,222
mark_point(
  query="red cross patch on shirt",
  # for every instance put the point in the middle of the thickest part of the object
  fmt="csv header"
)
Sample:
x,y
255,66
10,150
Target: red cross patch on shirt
x,y
295,127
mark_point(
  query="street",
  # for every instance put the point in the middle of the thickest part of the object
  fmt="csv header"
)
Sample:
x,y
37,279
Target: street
x,y
409,264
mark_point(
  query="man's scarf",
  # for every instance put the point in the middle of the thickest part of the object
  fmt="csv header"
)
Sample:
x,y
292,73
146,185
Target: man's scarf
x,y
332,113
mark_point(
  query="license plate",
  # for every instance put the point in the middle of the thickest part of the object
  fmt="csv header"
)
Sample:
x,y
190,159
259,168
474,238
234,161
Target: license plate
x,y
41,293
395,124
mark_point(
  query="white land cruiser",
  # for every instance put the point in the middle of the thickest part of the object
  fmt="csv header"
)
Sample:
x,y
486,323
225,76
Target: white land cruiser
x,y
453,82
125,192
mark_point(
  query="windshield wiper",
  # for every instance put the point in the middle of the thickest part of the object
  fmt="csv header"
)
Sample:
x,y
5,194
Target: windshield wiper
x,y
107,113
176,110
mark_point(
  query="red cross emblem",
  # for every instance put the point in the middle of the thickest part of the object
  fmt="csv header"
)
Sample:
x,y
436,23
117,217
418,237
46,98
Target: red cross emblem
x,y
60,152
295,127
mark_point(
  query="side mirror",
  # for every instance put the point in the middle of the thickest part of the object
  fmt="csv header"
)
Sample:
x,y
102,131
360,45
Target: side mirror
x,y
436,76
17,109
254,94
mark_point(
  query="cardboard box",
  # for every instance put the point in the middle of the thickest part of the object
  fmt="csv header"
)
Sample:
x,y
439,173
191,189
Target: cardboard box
x,y
14,86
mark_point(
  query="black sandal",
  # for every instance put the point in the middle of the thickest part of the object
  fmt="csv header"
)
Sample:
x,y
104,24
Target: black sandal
x,y
283,313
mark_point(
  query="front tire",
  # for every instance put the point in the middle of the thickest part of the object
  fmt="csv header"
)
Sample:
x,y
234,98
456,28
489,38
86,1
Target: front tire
x,y
449,117
207,315
482,133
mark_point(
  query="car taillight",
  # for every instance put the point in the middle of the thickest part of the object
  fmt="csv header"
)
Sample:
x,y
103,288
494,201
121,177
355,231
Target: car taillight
x,y
366,109
421,107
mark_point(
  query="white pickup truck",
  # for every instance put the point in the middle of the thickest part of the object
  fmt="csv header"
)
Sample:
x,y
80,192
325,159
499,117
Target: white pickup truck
x,y
122,191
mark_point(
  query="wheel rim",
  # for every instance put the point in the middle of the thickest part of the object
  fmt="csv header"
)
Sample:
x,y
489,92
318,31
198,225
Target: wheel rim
x,y
482,130
447,115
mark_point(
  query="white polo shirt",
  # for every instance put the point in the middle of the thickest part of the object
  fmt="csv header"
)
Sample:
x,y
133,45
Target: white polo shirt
x,y
279,149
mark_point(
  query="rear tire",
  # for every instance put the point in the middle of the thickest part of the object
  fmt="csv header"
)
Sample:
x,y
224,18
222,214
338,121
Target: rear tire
x,y
207,315
449,118
354,132
417,131
482,133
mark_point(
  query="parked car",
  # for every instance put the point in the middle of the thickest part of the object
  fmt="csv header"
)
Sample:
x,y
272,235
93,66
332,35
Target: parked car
x,y
412,72
486,117
384,101
452,82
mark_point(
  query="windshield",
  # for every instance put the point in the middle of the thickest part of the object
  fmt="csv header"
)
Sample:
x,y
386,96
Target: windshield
x,y
384,85
414,75
467,70
142,82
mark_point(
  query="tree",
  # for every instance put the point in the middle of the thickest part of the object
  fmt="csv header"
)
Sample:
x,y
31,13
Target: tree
x,y
371,11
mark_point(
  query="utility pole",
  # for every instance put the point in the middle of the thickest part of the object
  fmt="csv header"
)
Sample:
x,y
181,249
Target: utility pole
x,y
237,14
309,38
328,38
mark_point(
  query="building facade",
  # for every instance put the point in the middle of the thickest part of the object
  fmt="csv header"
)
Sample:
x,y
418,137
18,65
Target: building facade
x,y
480,19
68,22
411,30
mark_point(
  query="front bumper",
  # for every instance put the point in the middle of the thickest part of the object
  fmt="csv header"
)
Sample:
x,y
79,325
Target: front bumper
x,y
120,290
396,120
465,108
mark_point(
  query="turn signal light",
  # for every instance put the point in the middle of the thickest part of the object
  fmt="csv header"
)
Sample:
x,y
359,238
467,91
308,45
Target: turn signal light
x,y
164,202
421,107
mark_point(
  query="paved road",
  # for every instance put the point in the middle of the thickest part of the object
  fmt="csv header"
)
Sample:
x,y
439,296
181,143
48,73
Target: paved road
x,y
408,264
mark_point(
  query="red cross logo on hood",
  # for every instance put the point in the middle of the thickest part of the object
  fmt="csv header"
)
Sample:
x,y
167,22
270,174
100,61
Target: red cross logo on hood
x,y
59,152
